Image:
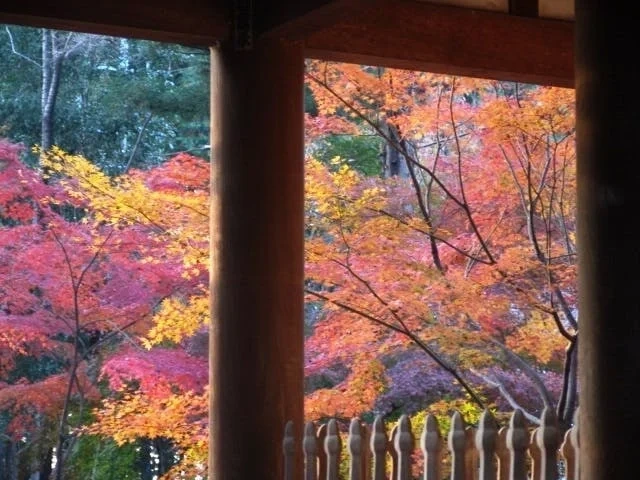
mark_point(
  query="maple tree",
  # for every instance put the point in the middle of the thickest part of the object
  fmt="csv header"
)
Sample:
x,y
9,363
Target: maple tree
x,y
101,297
171,203
463,250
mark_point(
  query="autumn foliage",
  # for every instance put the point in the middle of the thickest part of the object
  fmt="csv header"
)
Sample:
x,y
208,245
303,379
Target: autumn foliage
x,y
105,304
459,256
446,281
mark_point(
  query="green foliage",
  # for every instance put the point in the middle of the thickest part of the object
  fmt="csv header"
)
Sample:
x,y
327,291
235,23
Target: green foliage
x,y
34,368
110,91
361,152
96,458
310,105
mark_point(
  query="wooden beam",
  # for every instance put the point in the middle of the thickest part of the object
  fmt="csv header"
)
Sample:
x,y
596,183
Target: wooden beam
x,y
193,22
442,39
608,254
524,8
297,20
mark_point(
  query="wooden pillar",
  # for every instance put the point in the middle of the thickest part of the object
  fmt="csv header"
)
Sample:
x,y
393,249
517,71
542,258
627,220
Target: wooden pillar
x,y
608,122
257,262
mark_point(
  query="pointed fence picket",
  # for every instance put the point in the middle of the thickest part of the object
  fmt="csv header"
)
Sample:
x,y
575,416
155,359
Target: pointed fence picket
x,y
517,443
431,446
379,447
332,448
457,443
288,449
355,450
514,452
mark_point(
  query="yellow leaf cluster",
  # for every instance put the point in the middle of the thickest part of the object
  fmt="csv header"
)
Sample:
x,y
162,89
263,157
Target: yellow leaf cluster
x,y
182,418
178,217
177,319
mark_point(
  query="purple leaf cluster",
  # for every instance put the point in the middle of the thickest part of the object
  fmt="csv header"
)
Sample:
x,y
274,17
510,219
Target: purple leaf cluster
x,y
414,382
522,388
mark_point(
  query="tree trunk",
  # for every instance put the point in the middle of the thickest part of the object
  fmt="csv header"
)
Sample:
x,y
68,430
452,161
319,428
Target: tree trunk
x,y
394,163
144,461
8,460
51,68
166,455
45,465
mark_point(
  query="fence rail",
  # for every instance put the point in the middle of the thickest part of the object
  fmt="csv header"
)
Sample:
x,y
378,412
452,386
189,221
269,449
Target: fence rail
x,y
486,453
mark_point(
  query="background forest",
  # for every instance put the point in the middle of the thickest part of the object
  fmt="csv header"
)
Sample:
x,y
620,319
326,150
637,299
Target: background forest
x,y
440,252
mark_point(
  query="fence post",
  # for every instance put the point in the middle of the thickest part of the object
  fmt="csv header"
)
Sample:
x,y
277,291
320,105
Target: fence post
x,y
547,441
379,448
332,447
486,445
403,444
310,449
322,455
288,450
431,446
354,445
571,450
473,451
517,443
456,441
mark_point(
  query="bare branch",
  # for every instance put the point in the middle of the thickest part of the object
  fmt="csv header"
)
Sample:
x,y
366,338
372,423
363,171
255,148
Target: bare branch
x,y
469,255
386,137
67,259
528,371
403,151
507,396
15,51
465,203
424,209
94,258
134,150
407,333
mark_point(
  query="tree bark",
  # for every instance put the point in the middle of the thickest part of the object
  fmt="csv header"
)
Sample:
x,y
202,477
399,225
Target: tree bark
x,y
51,69
394,163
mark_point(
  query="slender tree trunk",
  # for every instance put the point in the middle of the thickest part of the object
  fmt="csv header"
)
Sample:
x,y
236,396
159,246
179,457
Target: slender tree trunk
x,y
166,455
45,465
394,162
51,69
137,142
144,460
4,444
571,379
12,461
8,463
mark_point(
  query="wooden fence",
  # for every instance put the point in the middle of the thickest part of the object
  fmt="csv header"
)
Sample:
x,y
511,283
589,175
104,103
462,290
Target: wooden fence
x,y
486,453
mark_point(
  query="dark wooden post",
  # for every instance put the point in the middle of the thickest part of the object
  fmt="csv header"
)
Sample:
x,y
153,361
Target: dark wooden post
x,y
608,121
257,267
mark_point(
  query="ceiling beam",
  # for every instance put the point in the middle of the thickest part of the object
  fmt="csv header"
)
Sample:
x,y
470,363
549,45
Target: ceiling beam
x,y
442,39
296,20
395,33
193,22
524,8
